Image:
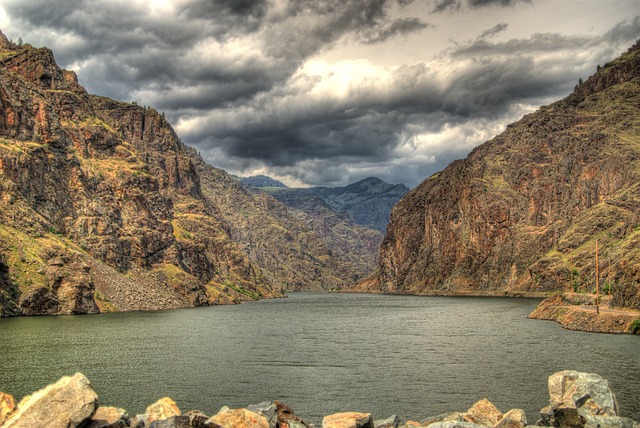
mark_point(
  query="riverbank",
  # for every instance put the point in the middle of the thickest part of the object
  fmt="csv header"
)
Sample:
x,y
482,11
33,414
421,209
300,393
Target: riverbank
x,y
578,312
576,400
458,293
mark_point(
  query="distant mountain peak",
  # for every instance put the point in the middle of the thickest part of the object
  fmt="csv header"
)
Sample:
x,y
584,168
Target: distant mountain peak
x,y
262,181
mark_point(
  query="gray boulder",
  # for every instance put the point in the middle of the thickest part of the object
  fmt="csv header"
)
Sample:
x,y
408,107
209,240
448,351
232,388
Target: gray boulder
x,y
68,403
588,392
392,421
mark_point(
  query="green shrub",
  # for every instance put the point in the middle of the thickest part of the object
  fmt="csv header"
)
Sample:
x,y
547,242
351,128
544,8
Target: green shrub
x,y
635,326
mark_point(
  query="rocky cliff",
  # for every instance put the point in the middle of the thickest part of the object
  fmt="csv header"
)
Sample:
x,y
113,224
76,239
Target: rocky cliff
x,y
102,208
522,212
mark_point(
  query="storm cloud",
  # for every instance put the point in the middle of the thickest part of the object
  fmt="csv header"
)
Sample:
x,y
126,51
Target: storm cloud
x,y
326,93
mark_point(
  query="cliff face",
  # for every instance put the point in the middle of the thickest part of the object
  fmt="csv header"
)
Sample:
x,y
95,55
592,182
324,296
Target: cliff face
x,y
523,211
102,207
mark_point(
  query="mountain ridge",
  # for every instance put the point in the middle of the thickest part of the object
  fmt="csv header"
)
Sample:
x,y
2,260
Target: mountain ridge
x,y
105,209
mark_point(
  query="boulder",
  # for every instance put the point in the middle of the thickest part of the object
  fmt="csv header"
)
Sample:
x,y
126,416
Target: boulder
x,y
238,418
172,422
348,420
286,416
164,408
109,417
587,391
392,421
197,418
514,418
483,413
266,409
7,404
68,403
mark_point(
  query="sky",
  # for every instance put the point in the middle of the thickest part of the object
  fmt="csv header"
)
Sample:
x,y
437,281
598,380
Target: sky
x,y
328,92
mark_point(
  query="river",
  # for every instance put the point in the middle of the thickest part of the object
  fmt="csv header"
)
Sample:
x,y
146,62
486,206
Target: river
x,y
319,353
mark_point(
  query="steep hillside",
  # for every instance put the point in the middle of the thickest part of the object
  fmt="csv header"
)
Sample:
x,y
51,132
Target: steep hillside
x,y
295,250
104,209
524,209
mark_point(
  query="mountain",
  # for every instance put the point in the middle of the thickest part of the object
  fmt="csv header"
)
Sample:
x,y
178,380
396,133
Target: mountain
x,y
262,181
104,209
522,212
367,202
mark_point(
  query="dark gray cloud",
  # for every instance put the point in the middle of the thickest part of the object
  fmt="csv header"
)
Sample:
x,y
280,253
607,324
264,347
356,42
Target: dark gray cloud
x,y
245,81
498,28
456,5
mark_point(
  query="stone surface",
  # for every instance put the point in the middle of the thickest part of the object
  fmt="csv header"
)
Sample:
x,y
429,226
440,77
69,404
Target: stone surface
x,y
7,403
109,417
197,418
567,417
172,422
266,409
598,421
514,418
286,416
348,420
587,391
453,424
162,409
69,402
238,418
392,421
484,413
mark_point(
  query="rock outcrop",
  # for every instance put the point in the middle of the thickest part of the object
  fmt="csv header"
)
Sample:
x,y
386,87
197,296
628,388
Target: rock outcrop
x,y
578,400
522,212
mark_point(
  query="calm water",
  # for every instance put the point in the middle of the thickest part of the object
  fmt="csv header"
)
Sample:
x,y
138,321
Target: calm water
x,y
319,353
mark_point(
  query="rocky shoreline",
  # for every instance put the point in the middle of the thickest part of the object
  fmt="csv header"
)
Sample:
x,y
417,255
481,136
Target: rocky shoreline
x,y
578,313
577,400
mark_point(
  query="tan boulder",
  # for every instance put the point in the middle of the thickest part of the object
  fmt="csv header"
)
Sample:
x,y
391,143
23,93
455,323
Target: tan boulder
x,y
109,417
483,413
68,403
348,420
7,404
238,418
162,409
514,418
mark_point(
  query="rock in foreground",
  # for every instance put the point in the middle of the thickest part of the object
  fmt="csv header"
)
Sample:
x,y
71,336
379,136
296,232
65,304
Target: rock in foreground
x,y
577,400
70,402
